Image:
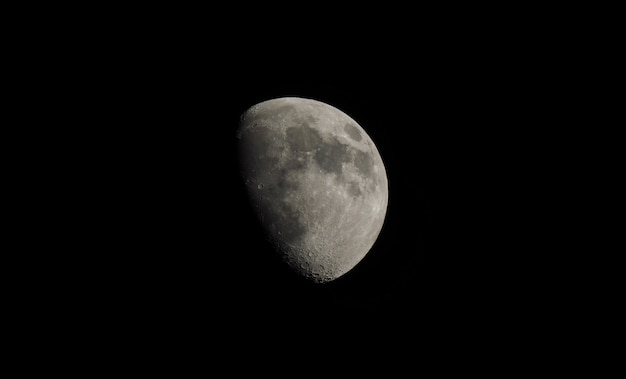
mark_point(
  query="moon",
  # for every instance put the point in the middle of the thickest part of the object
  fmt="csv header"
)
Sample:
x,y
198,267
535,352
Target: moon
x,y
316,182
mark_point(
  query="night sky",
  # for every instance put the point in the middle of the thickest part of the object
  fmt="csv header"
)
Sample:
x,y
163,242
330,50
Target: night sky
x,y
443,242
162,255
453,133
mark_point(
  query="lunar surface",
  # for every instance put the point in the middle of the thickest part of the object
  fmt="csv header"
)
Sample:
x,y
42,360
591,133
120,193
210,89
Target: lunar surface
x,y
316,181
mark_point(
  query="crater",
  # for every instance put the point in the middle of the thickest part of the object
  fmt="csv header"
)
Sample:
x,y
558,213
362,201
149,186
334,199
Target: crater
x,y
353,189
353,132
271,114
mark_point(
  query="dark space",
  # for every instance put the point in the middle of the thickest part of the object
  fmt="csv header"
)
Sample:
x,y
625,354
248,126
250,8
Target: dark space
x,y
176,243
151,255
189,239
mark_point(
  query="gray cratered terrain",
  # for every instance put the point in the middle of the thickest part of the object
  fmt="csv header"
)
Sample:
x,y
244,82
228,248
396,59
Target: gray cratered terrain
x,y
316,181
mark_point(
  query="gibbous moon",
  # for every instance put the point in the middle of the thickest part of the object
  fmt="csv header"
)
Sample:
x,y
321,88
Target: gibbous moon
x,y
316,181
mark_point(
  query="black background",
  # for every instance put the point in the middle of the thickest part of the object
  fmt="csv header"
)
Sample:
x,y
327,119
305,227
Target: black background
x,y
461,120
148,247
150,252
452,143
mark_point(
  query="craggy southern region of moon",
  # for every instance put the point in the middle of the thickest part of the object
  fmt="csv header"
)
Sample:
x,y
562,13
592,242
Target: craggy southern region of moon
x,y
316,181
